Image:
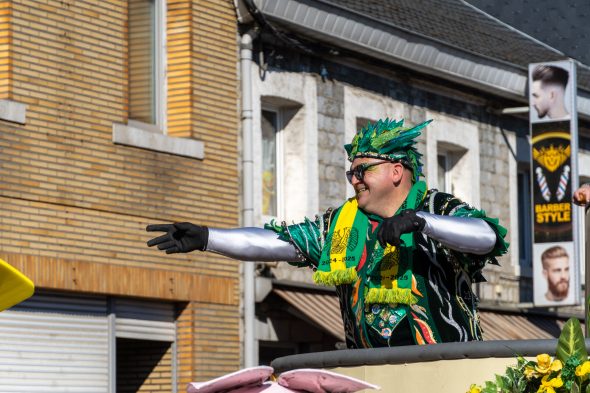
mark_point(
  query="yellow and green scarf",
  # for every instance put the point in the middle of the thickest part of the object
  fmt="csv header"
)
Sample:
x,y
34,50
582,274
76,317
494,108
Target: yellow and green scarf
x,y
389,270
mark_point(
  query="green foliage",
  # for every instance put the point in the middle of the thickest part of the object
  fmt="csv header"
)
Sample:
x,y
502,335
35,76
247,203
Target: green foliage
x,y
571,342
568,372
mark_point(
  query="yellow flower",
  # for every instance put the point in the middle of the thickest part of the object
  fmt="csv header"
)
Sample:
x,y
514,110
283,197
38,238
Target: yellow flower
x,y
583,369
556,365
529,372
545,365
474,389
547,384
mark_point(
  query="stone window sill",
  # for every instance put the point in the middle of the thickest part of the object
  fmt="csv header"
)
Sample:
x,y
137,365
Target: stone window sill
x,y
13,111
144,139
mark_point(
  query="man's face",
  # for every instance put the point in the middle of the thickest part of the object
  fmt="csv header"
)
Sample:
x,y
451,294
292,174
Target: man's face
x,y
374,191
558,276
542,99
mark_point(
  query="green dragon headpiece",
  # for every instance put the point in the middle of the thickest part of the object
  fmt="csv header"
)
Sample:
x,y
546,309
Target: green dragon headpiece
x,y
388,140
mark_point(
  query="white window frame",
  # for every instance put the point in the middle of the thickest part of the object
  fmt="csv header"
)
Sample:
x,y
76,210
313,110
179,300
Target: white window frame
x,y
453,154
296,95
160,79
154,136
280,170
161,66
448,186
462,145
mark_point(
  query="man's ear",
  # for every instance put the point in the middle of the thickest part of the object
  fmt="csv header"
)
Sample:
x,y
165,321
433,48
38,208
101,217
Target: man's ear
x,y
397,172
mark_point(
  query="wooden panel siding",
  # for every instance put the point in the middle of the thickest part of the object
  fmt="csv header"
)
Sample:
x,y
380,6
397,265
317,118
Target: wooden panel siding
x,y
100,278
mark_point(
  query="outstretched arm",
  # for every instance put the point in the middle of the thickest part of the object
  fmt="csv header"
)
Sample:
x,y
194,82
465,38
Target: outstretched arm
x,y
464,234
251,244
246,244
470,235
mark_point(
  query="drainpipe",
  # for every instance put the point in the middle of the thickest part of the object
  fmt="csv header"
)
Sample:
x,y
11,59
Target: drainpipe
x,y
250,350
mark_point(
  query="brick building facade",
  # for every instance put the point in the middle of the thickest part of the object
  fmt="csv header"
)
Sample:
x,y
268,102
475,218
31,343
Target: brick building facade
x,y
82,174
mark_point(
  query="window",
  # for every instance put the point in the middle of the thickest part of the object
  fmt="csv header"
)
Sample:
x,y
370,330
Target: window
x,y
147,61
270,123
452,168
443,173
147,84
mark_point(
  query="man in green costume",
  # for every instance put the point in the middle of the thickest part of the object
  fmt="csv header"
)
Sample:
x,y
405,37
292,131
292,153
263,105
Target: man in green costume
x,y
401,257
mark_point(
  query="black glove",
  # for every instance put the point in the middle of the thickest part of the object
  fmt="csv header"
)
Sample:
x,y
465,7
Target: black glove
x,y
393,227
179,237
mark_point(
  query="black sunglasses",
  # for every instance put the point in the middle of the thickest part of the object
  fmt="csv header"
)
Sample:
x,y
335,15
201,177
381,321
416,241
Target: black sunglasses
x,y
359,170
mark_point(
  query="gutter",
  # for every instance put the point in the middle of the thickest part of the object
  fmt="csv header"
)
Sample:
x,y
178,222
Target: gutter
x,y
250,348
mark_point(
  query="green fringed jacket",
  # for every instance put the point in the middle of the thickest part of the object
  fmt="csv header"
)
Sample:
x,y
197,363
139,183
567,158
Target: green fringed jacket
x,y
446,310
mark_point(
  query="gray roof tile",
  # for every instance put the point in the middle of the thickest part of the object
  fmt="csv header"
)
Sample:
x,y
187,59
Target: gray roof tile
x,y
458,24
561,24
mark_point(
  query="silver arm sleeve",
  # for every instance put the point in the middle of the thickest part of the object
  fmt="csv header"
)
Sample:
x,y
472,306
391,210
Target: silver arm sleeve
x,y
464,234
251,244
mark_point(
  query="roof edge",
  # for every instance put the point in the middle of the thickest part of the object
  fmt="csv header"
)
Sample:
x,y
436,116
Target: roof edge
x,y
344,28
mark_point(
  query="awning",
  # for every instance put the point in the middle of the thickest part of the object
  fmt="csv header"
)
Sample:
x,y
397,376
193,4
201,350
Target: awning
x,y
323,309
498,325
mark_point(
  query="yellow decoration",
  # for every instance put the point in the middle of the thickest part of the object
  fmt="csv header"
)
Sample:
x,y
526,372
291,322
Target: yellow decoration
x,y
390,295
583,369
547,384
14,286
341,234
336,277
474,389
529,372
552,157
545,365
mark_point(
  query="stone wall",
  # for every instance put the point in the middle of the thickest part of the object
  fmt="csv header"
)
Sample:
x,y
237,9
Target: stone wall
x,y
330,141
416,99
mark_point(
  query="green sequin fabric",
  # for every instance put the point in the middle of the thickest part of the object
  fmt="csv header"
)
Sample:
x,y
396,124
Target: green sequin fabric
x,y
446,310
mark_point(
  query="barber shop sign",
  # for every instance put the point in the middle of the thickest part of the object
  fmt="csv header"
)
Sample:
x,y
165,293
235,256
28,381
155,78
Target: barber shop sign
x,y
554,133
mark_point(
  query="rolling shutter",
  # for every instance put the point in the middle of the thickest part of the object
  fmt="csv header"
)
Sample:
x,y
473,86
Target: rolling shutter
x,y
55,343
144,320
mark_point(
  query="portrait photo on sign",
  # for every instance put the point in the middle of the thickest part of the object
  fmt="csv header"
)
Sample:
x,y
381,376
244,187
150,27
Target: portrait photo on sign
x,y
554,274
550,92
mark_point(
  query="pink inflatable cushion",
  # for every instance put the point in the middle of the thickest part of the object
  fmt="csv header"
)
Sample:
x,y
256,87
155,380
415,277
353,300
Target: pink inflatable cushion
x,y
252,380
322,381
253,376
